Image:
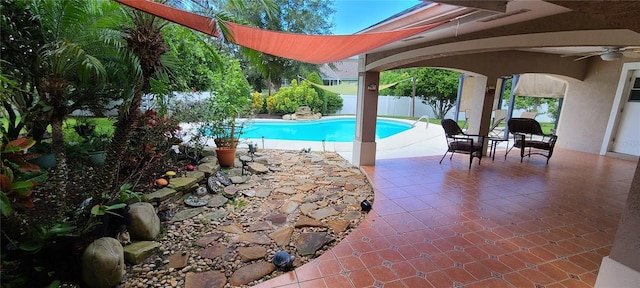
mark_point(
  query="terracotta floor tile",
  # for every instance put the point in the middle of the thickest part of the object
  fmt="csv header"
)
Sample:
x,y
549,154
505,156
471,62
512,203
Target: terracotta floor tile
x,y
490,283
361,278
500,224
315,283
438,279
350,263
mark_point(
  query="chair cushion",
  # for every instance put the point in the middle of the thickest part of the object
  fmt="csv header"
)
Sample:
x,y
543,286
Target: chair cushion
x,y
534,144
465,145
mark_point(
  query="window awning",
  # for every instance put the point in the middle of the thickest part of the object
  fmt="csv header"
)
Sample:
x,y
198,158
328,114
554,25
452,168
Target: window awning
x,y
316,49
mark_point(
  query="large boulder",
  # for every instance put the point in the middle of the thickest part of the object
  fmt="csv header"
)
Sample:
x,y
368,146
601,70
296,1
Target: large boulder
x,y
145,224
103,263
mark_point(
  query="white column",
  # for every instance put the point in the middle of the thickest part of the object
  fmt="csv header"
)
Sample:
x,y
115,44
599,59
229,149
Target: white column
x,y
364,144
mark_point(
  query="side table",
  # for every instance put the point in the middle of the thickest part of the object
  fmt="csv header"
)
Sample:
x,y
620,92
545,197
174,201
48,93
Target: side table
x,y
493,145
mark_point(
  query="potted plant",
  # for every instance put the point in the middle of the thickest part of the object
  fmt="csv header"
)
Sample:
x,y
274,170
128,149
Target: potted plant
x,y
223,126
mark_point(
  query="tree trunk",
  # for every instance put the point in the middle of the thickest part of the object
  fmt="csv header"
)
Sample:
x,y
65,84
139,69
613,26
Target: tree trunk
x,y
60,173
107,176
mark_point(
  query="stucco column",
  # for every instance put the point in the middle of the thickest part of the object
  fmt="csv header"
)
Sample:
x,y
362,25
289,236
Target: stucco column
x,y
364,144
622,267
481,108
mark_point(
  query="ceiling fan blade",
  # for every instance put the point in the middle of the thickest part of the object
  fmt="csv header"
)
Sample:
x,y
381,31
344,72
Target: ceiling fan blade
x,y
586,56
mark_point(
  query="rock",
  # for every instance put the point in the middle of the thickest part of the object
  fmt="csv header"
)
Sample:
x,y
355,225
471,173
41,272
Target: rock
x,y
209,279
223,178
309,243
237,179
187,214
178,260
160,195
216,214
323,213
313,197
210,159
307,207
217,201
214,185
349,199
251,253
201,191
285,190
338,226
195,201
229,191
182,183
350,187
214,251
103,263
145,224
258,226
286,117
305,221
263,193
250,273
235,229
209,168
198,175
257,168
249,193
137,252
282,236
253,238
282,260
207,239
289,207
306,187
298,197
276,219
353,215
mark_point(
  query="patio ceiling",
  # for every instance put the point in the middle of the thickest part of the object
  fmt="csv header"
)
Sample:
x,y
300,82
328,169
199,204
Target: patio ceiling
x,y
552,28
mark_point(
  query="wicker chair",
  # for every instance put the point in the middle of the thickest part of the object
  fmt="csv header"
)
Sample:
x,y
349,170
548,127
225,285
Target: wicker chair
x,y
529,138
458,141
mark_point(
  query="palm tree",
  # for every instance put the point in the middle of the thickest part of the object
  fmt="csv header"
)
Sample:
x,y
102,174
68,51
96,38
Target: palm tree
x,y
75,32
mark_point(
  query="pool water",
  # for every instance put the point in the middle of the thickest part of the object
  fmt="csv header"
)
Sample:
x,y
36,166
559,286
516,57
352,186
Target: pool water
x,y
333,130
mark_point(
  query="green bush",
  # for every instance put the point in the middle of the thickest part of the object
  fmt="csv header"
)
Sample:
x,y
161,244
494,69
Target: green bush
x,y
334,103
288,99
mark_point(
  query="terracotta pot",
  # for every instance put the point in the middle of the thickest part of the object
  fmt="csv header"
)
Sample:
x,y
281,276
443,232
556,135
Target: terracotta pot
x,y
226,156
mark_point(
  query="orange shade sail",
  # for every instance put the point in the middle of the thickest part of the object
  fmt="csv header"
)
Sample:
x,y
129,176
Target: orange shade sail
x,y
316,49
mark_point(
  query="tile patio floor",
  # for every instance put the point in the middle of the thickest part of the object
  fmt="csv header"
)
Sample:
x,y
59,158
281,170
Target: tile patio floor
x,y
500,224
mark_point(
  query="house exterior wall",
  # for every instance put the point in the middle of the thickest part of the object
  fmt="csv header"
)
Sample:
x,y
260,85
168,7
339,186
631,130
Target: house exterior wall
x,y
587,106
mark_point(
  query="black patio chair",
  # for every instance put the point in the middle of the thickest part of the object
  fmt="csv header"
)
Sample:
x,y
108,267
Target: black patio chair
x,y
458,141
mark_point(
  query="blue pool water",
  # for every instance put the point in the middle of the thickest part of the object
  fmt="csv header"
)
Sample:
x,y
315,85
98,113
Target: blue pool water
x,y
333,130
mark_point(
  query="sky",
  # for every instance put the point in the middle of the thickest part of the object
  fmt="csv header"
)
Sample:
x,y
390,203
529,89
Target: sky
x,y
354,15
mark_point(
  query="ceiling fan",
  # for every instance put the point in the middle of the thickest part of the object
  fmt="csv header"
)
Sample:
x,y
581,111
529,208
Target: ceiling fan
x,y
608,53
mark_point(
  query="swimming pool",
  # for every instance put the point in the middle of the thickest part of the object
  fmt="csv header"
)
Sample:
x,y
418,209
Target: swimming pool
x,y
331,130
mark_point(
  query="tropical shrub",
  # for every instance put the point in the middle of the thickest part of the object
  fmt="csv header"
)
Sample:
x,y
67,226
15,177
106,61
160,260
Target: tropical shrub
x,y
288,99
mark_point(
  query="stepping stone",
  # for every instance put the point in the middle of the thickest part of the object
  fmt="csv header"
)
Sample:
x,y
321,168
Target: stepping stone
x,y
350,187
160,195
298,198
263,193
251,253
249,193
207,239
208,168
178,260
217,214
257,168
306,187
309,243
285,190
282,236
338,226
353,215
323,213
235,229
289,207
214,251
137,252
229,191
182,183
350,199
217,201
199,175
305,221
254,238
237,179
314,197
187,214
307,207
277,219
209,279
250,273
259,226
